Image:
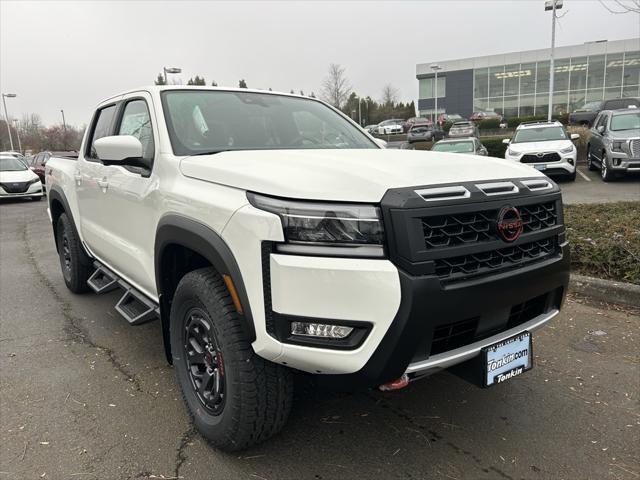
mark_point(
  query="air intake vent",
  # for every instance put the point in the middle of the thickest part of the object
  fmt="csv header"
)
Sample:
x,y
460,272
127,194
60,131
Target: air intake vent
x,y
444,193
536,185
498,188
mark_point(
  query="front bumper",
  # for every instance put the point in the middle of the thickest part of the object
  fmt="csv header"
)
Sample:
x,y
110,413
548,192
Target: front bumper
x,y
34,190
622,162
565,166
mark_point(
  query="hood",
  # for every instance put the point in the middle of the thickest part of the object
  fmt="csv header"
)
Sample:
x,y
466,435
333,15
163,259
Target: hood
x,y
548,146
624,134
17,176
345,175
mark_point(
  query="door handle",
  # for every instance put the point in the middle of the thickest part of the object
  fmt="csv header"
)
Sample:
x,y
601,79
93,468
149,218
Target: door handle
x,y
103,184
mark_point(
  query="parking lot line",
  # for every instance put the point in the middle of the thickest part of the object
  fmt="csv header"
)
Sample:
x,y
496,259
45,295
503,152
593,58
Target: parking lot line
x,y
583,175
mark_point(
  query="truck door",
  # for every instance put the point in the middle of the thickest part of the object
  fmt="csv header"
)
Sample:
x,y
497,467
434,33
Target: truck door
x,y
128,214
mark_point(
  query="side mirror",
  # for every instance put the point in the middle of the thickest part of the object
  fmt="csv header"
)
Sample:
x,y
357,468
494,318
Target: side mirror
x,y
574,136
118,148
600,129
506,141
381,142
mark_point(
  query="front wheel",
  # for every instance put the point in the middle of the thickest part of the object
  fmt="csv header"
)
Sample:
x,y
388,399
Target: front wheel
x,y
590,165
606,174
74,262
236,399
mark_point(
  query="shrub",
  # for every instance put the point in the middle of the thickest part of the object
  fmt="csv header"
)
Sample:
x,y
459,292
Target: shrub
x,y
494,146
489,124
605,240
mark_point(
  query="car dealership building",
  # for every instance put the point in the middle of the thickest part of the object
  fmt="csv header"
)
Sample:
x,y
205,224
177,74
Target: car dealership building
x,y
517,84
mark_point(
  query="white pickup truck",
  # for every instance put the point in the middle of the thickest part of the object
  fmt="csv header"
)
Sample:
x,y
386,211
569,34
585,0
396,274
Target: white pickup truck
x,y
270,234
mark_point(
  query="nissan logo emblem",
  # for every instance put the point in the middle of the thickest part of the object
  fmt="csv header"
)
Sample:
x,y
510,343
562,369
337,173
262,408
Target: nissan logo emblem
x,y
509,223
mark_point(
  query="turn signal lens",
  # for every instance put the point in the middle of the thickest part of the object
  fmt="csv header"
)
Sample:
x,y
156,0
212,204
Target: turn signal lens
x,y
320,330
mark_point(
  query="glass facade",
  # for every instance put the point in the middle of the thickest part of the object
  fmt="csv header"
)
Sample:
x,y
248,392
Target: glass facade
x,y
522,89
427,87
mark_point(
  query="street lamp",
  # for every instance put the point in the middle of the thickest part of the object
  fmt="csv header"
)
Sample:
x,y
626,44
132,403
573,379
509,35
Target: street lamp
x,y
170,70
15,122
435,67
552,5
6,115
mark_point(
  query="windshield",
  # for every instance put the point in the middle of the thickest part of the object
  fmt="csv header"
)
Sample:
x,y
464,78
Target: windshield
x,y
626,121
455,147
541,134
11,164
590,107
201,121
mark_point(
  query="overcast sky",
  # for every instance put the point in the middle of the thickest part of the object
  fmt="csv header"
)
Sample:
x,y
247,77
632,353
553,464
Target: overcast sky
x,y
71,55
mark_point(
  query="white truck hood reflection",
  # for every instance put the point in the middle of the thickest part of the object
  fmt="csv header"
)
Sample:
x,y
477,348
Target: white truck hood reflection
x,y
362,175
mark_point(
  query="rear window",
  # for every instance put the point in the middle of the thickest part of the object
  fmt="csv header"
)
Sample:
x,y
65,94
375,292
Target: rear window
x,y
454,147
621,103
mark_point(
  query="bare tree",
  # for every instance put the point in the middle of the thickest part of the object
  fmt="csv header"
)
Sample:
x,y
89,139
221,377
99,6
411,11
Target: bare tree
x,y
619,7
390,94
336,87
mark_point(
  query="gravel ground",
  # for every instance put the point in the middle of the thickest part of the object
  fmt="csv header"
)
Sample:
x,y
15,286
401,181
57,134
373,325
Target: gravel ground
x,y
85,396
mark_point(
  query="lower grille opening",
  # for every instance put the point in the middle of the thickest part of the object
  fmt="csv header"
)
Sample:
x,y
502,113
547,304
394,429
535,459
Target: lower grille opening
x,y
453,335
526,311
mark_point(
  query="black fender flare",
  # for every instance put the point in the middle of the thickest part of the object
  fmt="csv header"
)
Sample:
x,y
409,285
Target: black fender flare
x,y
56,193
175,229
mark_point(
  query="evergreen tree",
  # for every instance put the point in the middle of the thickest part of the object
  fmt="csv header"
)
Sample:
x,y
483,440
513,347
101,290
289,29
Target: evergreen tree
x,y
196,81
214,84
242,84
160,80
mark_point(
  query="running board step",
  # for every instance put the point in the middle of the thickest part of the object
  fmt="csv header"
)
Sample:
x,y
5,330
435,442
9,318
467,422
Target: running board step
x,y
102,281
135,308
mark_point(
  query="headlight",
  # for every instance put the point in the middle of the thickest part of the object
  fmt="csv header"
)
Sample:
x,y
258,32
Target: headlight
x,y
328,229
617,146
31,182
569,149
512,152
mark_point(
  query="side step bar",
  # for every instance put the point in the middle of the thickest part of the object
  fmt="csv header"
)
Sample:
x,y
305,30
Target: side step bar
x,y
134,306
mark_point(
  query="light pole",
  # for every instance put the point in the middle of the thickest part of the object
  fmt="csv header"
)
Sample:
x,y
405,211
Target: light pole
x,y
435,67
6,115
552,5
64,131
170,70
15,122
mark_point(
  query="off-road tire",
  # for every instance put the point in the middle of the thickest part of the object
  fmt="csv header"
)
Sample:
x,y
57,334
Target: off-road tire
x,y
74,262
257,393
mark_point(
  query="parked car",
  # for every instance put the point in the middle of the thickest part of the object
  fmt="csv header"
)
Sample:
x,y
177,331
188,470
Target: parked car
x,y
484,115
424,132
12,153
465,128
452,117
614,143
460,145
391,126
17,181
362,266
546,146
39,161
586,115
371,129
413,121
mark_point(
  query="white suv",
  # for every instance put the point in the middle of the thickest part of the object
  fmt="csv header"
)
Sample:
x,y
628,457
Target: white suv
x,y
546,146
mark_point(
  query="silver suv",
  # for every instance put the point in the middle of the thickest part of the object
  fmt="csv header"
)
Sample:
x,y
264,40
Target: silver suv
x,y
614,143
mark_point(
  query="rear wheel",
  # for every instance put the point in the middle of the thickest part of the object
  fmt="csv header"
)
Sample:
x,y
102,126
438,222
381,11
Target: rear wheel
x,y
74,262
236,399
590,165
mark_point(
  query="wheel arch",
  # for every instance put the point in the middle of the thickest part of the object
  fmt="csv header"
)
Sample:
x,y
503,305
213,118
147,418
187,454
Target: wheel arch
x,y
58,205
182,245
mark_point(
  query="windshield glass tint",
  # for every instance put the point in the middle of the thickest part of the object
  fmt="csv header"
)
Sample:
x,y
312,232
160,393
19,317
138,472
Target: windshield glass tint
x,y
454,147
541,134
202,121
10,164
628,121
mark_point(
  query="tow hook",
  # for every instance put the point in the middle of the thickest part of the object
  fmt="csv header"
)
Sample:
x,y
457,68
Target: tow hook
x,y
398,384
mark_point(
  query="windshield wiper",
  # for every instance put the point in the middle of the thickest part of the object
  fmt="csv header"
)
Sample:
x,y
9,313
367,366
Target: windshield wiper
x,y
213,152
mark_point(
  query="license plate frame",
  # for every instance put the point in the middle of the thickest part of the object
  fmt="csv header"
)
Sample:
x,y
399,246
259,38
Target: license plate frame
x,y
492,354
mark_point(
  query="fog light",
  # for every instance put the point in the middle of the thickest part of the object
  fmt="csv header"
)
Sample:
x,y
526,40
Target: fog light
x,y
570,160
320,330
617,161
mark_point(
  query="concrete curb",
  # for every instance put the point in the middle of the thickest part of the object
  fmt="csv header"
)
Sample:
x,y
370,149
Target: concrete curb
x,y
606,290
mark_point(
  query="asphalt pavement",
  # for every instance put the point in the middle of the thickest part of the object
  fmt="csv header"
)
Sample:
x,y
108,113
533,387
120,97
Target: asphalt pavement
x,y
85,396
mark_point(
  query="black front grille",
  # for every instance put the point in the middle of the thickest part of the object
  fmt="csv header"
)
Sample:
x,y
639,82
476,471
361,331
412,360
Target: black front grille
x,y
534,158
523,312
466,228
492,261
15,187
